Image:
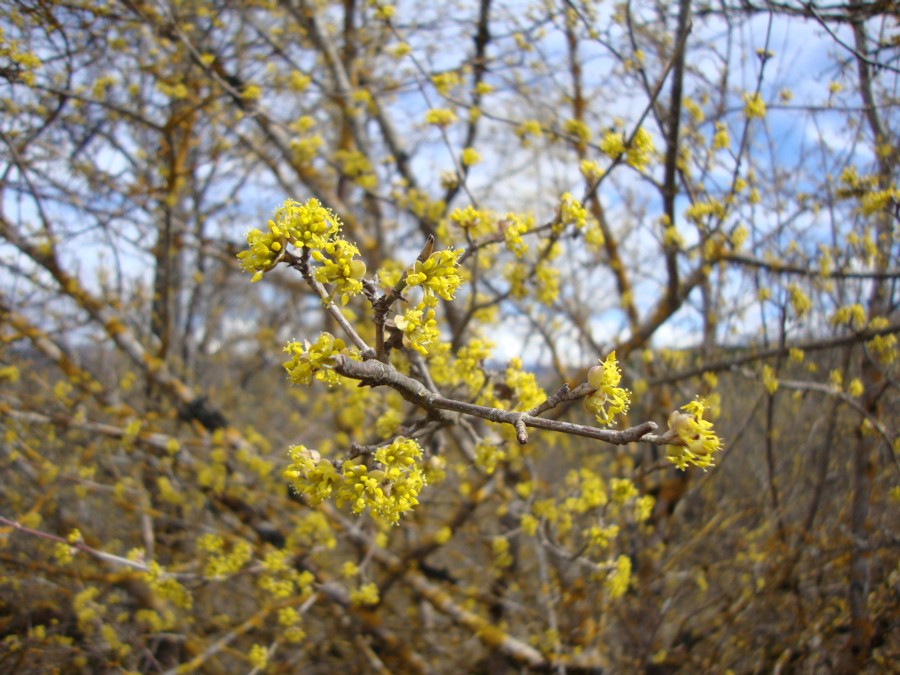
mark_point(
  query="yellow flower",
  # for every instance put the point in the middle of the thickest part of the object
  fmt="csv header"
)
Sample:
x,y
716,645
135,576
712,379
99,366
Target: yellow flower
x,y
419,327
608,399
600,537
258,656
571,211
470,156
770,382
578,129
529,129
613,144
442,536
754,106
340,267
487,455
446,81
590,170
622,490
315,360
721,140
800,302
299,81
513,227
9,374
440,117
438,274
638,153
366,594
700,441
617,582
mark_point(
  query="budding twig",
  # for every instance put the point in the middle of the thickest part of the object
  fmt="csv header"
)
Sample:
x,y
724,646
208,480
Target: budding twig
x,y
375,373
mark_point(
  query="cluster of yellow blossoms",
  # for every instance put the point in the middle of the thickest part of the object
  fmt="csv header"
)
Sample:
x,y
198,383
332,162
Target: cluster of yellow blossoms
x,y
637,153
608,399
438,274
306,226
388,491
419,327
700,441
316,360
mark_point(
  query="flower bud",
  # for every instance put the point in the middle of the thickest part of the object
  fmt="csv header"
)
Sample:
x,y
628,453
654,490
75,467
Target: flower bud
x,y
595,377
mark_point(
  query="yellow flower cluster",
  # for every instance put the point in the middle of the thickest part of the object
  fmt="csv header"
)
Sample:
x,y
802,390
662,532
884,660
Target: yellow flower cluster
x,y
571,212
770,382
473,221
865,189
313,530
700,441
501,553
620,578
299,81
469,361
166,586
438,274
513,227
440,117
613,144
357,166
24,62
639,150
546,279
470,156
280,577
853,315
305,149
883,347
419,327
516,275
578,129
529,129
388,491
695,111
622,490
315,360
222,563
607,399
388,423
446,81
63,553
488,455
524,385
879,200
258,656
314,478
738,236
339,266
600,537
637,153
702,209
721,139
590,488
754,106
365,595
308,225
590,170
800,302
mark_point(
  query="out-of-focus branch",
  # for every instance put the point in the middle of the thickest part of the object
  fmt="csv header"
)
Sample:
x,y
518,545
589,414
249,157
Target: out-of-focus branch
x,y
762,354
778,267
